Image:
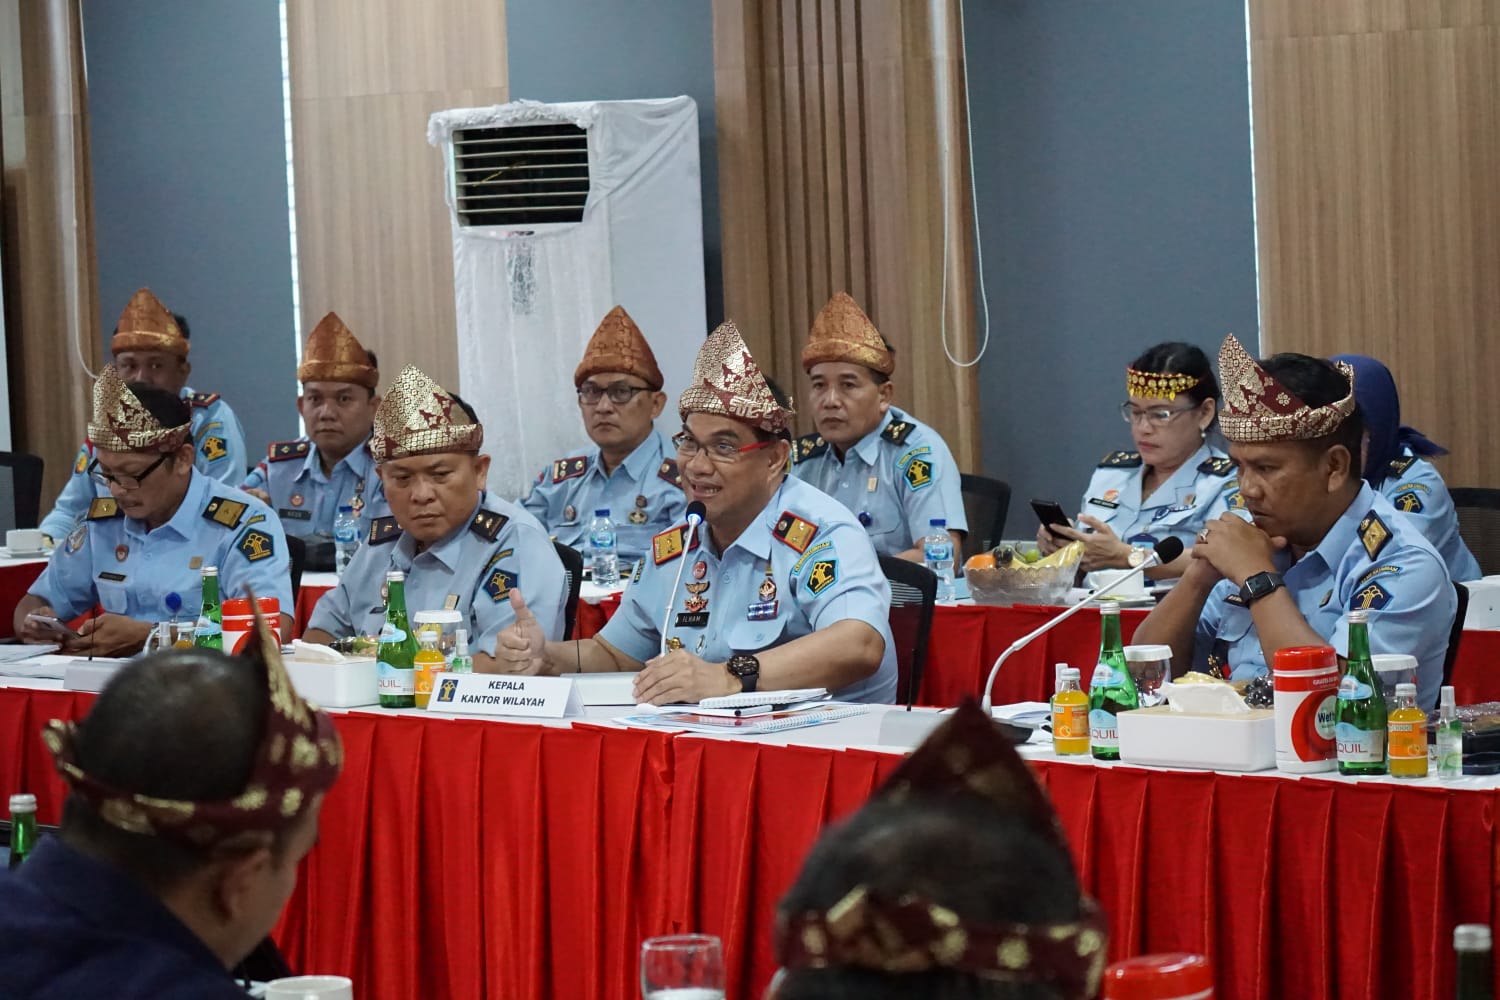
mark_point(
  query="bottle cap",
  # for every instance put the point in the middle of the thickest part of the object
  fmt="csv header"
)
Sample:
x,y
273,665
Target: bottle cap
x,y
1070,674
22,803
395,576
1108,608
441,616
1446,697
938,522
210,571
461,642
1466,937
346,508
602,512
1359,617
1152,976
1406,690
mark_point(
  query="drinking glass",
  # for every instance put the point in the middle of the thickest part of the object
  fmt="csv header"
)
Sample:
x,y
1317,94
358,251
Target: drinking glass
x,y
1149,666
682,967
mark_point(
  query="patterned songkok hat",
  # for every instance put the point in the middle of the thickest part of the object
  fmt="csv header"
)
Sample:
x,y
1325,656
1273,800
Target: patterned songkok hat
x,y
1158,385
147,325
619,346
333,354
969,756
728,383
1257,408
419,417
298,759
842,332
120,423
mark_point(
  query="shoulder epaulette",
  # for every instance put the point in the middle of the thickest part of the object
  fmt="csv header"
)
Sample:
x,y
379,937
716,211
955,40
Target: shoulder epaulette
x,y
1216,466
794,532
1120,460
203,398
104,508
222,510
668,545
282,451
1400,465
897,431
670,472
809,446
487,524
382,530
567,468
1373,535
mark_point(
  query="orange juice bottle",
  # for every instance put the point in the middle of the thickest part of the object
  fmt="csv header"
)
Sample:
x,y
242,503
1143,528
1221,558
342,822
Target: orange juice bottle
x,y
1070,714
428,663
1407,735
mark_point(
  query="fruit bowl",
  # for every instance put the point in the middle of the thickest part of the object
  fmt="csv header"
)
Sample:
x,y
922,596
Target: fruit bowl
x,y
1006,579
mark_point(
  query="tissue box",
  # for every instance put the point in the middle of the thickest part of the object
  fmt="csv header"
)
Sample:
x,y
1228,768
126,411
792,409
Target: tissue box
x,y
1484,603
335,685
1163,738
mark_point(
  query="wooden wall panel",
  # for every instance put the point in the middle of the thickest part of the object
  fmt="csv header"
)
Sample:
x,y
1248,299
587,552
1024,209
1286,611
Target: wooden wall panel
x,y
374,237
1377,153
838,122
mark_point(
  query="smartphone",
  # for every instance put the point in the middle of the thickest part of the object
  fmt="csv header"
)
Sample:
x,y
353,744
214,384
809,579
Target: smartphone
x,y
53,627
1051,514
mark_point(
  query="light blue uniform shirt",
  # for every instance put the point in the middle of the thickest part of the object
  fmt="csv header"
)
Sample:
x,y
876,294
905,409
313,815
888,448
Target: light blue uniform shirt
x,y
1198,492
1416,488
643,494
802,565
220,454
1372,559
306,500
472,570
113,561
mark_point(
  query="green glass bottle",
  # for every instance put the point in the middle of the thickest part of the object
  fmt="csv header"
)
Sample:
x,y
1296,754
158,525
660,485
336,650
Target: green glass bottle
x,y
1475,981
22,827
395,660
210,630
1361,723
1112,689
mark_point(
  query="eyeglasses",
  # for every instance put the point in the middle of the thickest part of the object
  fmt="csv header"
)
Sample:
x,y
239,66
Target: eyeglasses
x,y
722,451
103,478
619,393
1156,416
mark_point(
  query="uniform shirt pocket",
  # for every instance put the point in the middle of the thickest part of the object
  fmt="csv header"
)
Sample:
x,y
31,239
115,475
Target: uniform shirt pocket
x,y
114,597
745,636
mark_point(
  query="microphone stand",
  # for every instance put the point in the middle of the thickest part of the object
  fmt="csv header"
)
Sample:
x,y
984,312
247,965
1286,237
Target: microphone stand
x,y
693,522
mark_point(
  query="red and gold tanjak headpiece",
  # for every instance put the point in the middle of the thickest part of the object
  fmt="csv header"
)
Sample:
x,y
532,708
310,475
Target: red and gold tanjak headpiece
x,y
334,354
147,325
619,346
842,332
298,759
967,756
419,417
728,383
120,423
1158,385
1257,408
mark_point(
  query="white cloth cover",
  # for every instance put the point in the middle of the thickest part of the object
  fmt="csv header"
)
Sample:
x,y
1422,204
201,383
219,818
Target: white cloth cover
x,y
528,300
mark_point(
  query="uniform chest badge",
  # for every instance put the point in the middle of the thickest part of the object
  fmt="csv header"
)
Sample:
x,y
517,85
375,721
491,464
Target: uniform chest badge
x,y
296,499
1110,496
636,517
122,552
570,513
700,569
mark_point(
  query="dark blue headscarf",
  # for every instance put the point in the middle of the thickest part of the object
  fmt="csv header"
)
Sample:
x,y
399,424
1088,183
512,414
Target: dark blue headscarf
x,y
1380,404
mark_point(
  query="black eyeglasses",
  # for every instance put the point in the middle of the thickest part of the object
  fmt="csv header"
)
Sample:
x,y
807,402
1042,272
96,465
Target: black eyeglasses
x,y
103,478
619,393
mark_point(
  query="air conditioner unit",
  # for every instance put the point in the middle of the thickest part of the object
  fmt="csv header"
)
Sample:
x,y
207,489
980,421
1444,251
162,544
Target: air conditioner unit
x,y
559,213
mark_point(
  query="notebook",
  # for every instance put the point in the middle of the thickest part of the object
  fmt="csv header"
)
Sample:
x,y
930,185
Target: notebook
x,y
795,717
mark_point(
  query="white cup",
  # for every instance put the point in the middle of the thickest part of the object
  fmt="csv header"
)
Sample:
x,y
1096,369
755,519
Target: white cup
x,y
310,988
23,541
1132,590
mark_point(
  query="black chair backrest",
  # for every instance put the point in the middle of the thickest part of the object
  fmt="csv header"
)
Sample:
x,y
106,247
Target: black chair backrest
x,y
913,596
986,502
20,491
296,550
572,561
1456,633
1478,511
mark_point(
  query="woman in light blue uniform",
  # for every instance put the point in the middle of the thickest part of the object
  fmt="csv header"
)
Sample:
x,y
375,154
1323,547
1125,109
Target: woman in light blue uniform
x,y
1172,483
1396,465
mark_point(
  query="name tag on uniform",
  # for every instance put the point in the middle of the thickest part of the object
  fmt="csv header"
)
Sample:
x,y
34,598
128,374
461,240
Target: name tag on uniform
x,y
492,694
1100,502
295,515
692,619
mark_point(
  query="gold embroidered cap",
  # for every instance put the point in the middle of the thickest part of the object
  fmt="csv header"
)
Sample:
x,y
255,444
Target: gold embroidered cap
x,y
842,332
1158,385
120,422
299,757
728,383
147,325
1257,408
418,417
334,354
619,346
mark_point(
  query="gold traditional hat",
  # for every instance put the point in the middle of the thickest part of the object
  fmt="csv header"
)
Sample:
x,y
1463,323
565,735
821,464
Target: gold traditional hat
x,y
299,757
842,332
1257,408
727,382
419,417
619,346
334,354
1158,385
147,325
121,423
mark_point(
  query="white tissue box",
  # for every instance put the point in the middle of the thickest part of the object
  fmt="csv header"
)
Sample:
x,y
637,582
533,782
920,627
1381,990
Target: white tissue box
x,y
1484,604
350,684
1161,737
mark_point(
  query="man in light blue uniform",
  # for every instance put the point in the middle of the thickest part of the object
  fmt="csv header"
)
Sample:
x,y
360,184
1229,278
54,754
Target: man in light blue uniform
x,y
781,588
460,548
140,552
630,471
306,480
1322,543
150,345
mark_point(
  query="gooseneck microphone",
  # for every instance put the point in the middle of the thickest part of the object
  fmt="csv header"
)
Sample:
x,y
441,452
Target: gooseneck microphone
x,y
695,513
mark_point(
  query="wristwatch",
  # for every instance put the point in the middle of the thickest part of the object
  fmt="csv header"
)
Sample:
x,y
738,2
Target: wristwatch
x,y
1259,586
746,668
1138,555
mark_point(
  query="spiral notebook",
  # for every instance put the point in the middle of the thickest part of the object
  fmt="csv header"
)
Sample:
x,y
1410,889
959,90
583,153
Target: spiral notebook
x,y
796,717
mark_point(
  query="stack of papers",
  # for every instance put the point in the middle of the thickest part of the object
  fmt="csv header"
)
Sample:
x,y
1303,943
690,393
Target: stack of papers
x,y
751,720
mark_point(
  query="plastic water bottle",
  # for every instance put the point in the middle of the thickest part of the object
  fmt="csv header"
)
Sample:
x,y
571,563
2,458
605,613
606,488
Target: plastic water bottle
x,y
937,555
603,554
345,537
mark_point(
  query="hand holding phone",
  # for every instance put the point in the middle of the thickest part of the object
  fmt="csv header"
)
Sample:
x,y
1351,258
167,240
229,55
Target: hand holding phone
x,y
1051,514
51,628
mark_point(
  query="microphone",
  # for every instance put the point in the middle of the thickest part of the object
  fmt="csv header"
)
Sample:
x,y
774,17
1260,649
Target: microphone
x,y
695,513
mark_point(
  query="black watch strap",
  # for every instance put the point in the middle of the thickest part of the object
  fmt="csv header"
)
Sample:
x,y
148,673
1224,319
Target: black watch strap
x,y
747,669
1260,585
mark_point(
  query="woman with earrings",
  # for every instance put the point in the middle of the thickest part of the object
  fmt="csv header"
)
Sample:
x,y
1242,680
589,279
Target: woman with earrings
x,y
1174,481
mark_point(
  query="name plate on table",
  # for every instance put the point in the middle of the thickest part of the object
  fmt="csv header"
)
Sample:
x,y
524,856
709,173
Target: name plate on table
x,y
500,694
